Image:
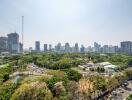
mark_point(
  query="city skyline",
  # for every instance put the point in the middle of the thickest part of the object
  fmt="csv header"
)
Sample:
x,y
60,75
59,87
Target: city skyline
x,y
11,44
84,22
125,47
40,45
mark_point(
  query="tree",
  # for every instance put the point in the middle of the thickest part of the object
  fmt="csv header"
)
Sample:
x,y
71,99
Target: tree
x,y
4,75
59,89
129,64
7,89
91,69
51,82
100,69
121,79
112,83
32,91
129,97
72,88
73,75
99,83
128,73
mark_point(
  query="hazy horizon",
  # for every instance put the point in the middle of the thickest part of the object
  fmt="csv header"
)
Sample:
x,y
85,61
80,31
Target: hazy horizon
x,y
82,21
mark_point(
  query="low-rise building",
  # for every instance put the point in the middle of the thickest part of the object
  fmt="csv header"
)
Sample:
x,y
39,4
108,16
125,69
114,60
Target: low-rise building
x,y
110,68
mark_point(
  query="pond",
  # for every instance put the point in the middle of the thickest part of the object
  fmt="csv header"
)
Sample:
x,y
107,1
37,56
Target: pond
x,y
17,78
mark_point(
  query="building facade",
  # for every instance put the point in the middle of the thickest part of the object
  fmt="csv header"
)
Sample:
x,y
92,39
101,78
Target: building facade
x,y
3,44
82,49
50,47
97,47
126,47
37,46
67,47
45,47
13,42
76,47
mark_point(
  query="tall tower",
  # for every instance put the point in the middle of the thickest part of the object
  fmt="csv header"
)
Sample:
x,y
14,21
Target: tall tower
x,y
22,30
13,42
37,46
76,47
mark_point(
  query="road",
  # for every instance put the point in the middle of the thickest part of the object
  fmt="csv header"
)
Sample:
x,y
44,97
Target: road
x,y
122,93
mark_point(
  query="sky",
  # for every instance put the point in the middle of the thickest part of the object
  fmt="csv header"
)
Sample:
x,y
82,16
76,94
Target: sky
x,y
82,21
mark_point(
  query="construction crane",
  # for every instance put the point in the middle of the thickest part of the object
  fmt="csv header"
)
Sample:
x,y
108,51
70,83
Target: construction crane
x,y
22,30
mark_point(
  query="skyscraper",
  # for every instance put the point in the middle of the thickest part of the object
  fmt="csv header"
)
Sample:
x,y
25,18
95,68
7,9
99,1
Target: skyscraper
x,y
105,49
116,49
82,49
76,47
58,47
3,44
13,43
67,47
111,49
97,47
37,46
50,47
45,47
126,47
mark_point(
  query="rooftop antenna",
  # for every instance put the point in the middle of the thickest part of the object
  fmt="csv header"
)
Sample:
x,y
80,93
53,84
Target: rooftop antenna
x,y
22,28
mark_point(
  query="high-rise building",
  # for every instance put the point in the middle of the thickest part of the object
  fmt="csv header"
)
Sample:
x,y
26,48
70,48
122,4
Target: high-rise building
x,y
20,47
37,46
113,49
82,49
105,49
45,47
3,44
116,49
76,47
67,47
13,43
110,49
90,49
50,47
97,47
126,47
58,47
